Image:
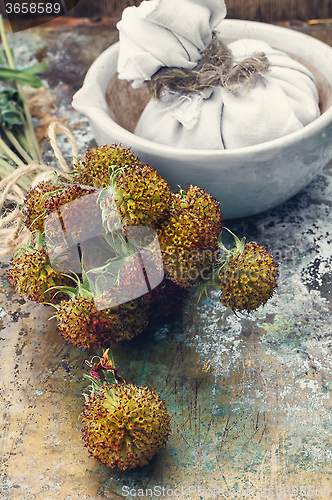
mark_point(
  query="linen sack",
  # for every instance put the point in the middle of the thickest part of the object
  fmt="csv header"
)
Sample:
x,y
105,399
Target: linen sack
x,y
283,100
174,34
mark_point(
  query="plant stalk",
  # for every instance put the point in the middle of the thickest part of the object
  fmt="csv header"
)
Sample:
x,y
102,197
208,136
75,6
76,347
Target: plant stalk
x,y
34,143
22,140
10,153
35,150
7,169
17,145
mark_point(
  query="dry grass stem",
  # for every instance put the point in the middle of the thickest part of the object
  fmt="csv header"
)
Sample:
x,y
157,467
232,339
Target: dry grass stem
x,y
13,233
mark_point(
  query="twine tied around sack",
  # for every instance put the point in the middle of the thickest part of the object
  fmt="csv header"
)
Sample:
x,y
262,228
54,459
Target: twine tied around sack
x,y
215,68
13,233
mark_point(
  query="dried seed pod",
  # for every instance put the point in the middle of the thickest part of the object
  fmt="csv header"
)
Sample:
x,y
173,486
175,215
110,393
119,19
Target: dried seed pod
x,y
31,273
138,194
200,203
34,205
81,324
124,426
249,279
188,245
46,198
93,168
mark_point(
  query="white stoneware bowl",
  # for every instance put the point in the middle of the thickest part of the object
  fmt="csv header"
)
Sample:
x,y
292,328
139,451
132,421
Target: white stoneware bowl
x,y
245,180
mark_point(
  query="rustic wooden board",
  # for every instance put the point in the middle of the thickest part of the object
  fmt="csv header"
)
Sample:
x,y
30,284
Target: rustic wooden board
x,y
249,396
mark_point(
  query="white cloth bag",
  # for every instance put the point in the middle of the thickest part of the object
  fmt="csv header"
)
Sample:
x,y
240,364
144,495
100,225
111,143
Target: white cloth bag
x,y
173,33
161,33
283,100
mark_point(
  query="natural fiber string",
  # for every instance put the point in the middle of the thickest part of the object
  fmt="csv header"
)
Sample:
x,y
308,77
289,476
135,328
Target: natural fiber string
x,y
16,235
215,68
55,129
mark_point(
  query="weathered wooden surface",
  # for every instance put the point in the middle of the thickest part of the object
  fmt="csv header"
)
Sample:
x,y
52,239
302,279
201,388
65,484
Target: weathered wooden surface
x,y
249,397
255,10
269,11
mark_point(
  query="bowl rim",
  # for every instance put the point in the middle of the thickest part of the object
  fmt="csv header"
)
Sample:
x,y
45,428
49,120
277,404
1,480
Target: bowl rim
x,y
101,64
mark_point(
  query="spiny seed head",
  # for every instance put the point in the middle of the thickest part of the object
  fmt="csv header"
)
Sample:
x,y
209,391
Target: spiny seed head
x,y
81,324
134,276
124,426
34,205
188,246
141,196
75,218
46,198
201,204
249,279
66,194
93,169
31,273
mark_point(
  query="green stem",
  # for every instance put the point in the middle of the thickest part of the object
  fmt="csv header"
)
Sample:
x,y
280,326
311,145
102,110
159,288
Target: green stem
x,y
35,151
8,52
7,169
8,152
28,139
22,140
17,145
239,244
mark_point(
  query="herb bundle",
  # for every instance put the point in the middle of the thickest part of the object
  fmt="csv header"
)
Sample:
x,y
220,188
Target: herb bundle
x,y
18,142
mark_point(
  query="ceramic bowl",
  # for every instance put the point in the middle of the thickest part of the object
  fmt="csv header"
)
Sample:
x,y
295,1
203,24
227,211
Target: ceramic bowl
x,y
246,180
